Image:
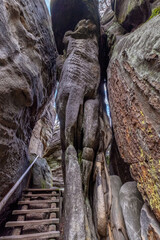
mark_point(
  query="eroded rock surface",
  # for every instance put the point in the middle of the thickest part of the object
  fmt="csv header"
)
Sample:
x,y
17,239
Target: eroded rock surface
x,y
117,221
150,227
41,173
53,155
85,135
134,95
42,133
130,13
27,66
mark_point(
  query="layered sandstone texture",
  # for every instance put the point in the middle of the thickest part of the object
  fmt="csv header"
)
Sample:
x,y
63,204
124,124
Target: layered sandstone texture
x,y
27,67
67,13
53,155
134,95
85,135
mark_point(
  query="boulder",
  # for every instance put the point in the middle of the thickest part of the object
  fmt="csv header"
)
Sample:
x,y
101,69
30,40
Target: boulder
x,y
74,213
116,216
41,173
134,86
27,68
131,204
150,227
67,13
131,14
100,213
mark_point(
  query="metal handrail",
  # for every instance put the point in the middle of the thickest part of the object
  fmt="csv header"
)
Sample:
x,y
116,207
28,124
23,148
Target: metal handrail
x,y
13,189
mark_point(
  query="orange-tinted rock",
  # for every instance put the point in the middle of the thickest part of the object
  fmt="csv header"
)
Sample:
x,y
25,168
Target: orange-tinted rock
x,y
134,95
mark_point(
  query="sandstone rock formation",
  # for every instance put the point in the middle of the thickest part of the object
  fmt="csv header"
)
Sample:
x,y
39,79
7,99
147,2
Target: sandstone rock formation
x,y
85,135
42,133
150,228
67,13
130,14
131,204
53,155
117,225
27,68
133,85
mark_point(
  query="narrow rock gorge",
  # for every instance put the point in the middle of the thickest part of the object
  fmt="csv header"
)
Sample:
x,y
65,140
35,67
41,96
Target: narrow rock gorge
x,y
27,81
80,89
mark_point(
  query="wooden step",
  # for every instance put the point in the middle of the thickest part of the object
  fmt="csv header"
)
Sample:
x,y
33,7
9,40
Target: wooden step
x,y
41,189
26,202
30,211
32,222
40,195
53,234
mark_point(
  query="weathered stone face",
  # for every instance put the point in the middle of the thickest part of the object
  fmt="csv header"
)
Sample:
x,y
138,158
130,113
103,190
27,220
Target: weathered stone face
x,y
41,173
134,86
67,13
27,62
131,13
131,203
85,134
76,81
150,228
43,131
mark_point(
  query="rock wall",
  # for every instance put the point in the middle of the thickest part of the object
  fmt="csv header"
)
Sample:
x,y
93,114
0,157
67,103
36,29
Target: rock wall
x,y
134,96
42,133
27,68
53,155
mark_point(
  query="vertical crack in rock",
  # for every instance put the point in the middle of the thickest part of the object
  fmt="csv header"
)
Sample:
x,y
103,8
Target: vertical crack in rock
x,y
85,136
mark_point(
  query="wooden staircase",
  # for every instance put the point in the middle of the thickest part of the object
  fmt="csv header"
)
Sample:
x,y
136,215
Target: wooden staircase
x,y
37,215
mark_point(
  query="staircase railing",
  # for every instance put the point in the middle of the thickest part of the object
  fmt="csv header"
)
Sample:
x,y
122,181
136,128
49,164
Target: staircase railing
x,y
13,189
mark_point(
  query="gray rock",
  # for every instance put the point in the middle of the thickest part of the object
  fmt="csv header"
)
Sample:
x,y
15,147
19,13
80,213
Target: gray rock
x,y
100,211
116,216
67,13
41,173
27,68
150,227
74,225
155,3
72,89
53,155
131,203
43,131
90,123
108,16
131,13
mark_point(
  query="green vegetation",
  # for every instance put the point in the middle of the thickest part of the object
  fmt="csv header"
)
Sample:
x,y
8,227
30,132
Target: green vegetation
x,y
107,160
155,12
80,157
43,184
